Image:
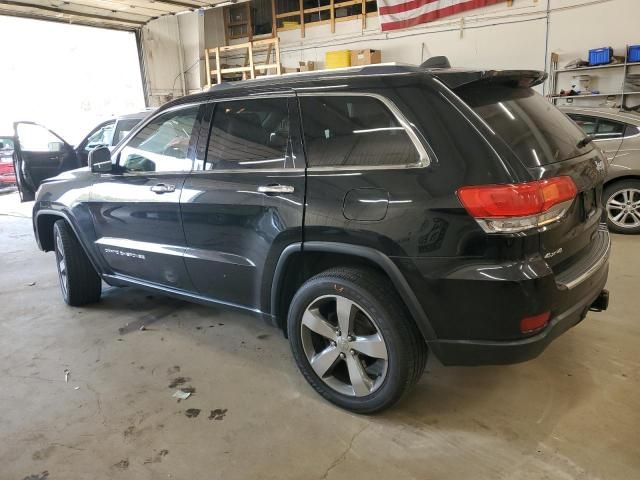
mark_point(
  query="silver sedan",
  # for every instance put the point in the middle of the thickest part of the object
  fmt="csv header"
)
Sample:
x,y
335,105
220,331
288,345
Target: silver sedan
x,y
617,134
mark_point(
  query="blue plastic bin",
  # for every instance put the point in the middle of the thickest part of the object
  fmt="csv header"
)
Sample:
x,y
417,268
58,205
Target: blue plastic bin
x,y
600,56
634,53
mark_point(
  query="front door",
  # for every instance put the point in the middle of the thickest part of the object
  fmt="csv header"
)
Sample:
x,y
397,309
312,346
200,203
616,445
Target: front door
x,y
244,201
136,208
39,154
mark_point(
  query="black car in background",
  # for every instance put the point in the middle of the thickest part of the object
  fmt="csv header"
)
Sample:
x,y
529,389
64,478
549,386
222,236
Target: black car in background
x,y
41,153
373,214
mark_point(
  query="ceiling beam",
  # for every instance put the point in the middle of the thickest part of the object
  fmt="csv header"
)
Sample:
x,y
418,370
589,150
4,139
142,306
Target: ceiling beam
x,y
177,3
111,11
66,21
71,12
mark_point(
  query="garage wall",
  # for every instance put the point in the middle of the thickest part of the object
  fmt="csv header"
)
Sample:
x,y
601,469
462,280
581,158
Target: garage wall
x,y
171,45
520,36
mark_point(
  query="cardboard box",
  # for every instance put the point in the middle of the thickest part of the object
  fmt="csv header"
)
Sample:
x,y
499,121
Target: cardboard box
x,y
365,57
307,66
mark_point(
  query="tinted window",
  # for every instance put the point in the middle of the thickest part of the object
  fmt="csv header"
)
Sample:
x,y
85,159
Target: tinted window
x,y
631,130
249,134
123,127
587,124
537,132
162,145
354,130
608,129
101,137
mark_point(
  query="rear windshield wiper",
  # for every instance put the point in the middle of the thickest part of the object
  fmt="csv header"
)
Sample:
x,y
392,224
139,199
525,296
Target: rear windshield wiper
x,y
584,142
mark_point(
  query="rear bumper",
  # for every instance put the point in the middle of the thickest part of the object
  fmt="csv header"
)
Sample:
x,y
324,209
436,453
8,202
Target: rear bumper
x,y
475,309
480,352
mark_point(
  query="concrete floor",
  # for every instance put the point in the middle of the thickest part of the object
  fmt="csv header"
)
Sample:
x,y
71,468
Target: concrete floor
x,y
573,413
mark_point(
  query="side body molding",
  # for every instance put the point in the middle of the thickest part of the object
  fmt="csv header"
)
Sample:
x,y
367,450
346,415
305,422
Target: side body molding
x,y
378,258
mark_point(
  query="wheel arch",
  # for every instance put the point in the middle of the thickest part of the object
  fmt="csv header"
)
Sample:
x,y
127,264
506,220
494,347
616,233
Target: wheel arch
x,y
302,261
620,178
43,221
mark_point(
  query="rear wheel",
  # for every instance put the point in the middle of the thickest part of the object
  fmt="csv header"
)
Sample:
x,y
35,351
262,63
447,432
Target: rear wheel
x,y
79,282
622,204
353,341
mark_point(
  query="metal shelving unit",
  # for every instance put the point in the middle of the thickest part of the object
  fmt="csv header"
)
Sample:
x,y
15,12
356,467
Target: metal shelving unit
x,y
609,69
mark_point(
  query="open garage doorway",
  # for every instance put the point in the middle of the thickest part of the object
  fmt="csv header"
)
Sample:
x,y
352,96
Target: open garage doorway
x,y
67,77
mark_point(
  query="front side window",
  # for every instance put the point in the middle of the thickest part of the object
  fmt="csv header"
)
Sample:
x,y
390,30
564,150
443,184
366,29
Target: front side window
x,y
354,131
123,127
36,138
249,134
162,145
101,137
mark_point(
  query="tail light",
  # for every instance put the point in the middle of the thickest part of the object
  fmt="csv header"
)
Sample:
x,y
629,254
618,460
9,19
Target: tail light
x,y
521,206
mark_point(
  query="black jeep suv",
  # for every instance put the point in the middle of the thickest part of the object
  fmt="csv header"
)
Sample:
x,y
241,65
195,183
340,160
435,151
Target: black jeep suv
x,y
372,214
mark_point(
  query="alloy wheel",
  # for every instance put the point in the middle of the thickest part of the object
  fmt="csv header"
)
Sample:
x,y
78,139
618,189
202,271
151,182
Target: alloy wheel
x,y
623,208
62,265
344,346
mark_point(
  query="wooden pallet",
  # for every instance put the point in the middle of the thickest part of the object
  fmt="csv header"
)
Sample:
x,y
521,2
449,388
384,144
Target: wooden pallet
x,y
250,69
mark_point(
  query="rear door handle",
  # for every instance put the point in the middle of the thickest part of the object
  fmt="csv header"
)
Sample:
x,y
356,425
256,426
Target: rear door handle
x,y
163,188
275,189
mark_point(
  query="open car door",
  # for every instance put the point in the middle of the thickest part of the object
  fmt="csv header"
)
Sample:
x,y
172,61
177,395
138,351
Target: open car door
x,y
39,154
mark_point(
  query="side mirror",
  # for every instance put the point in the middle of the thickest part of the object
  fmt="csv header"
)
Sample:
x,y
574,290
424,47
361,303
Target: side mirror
x,y
100,160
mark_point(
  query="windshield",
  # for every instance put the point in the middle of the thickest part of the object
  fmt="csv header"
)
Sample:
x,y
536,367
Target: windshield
x,y
535,130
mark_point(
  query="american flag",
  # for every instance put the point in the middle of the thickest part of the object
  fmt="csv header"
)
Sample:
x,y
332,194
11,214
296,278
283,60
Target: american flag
x,y
396,14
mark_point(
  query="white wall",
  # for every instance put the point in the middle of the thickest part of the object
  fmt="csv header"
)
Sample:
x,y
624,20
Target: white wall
x,y
162,46
520,36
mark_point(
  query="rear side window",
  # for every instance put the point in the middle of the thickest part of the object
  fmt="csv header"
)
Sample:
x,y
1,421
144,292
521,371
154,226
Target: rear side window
x,y
608,129
354,131
249,134
536,131
588,124
600,128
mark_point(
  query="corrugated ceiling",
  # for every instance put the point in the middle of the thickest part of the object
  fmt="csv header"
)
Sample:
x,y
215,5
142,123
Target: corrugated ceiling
x,y
115,14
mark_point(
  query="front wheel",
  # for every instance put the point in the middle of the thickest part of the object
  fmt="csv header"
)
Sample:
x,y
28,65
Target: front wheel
x,y
622,203
79,282
353,341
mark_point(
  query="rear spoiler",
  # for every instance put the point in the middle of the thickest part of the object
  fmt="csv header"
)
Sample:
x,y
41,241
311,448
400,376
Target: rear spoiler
x,y
456,78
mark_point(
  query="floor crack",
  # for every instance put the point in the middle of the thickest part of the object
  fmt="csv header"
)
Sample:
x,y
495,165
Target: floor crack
x,y
344,454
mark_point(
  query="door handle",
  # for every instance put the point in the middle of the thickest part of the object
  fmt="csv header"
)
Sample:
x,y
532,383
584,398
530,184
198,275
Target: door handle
x,y
163,188
275,189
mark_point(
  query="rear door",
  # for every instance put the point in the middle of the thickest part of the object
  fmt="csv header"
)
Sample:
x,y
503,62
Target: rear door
x,y
243,203
39,154
136,208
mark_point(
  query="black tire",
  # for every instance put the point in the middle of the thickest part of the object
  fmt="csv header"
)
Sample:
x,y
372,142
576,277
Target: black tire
x,y
615,192
82,285
375,295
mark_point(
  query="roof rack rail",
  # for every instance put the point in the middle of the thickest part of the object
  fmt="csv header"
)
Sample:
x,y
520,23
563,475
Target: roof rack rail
x,y
373,69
